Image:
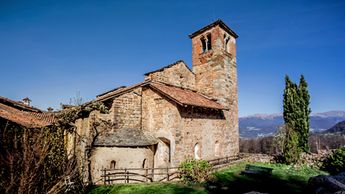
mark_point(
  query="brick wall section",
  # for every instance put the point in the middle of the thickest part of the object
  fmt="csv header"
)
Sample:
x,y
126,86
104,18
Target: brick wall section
x,y
126,110
177,75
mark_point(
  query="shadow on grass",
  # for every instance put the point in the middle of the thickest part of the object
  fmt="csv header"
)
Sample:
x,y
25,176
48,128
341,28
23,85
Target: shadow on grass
x,y
153,188
240,183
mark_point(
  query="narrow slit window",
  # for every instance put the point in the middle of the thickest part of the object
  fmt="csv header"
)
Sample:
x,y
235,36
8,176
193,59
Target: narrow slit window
x,y
209,42
197,151
144,163
216,149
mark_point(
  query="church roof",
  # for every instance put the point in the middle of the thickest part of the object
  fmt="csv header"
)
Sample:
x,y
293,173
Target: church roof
x,y
168,66
182,96
185,97
117,91
218,22
125,138
24,118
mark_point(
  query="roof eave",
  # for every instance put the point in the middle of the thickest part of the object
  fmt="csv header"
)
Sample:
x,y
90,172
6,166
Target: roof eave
x,y
218,22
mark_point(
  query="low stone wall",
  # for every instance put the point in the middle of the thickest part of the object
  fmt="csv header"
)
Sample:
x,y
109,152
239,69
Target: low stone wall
x,y
249,157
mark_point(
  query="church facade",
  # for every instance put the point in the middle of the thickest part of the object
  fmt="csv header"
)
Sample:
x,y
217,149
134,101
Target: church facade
x,y
174,114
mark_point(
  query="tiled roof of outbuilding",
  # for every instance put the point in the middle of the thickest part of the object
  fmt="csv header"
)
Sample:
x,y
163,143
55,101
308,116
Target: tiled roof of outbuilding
x,y
185,96
18,105
26,119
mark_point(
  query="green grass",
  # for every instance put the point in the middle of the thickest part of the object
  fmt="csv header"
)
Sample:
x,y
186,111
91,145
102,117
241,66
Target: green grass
x,y
284,179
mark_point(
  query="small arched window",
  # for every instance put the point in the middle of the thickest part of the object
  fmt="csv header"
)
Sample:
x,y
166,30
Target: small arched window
x,y
197,151
112,164
203,44
206,42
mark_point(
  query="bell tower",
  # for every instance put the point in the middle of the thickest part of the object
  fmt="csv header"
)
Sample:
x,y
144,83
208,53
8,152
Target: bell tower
x,y
215,68
214,62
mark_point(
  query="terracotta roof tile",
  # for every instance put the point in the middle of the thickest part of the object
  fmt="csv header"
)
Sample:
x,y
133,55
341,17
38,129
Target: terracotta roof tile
x,y
26,119
185,96
18,105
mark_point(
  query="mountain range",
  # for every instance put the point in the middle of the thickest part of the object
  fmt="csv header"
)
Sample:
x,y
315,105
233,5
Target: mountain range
x,y
260,125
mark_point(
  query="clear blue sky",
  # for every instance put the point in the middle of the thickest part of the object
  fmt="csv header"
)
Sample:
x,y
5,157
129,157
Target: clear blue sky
x,y
50,50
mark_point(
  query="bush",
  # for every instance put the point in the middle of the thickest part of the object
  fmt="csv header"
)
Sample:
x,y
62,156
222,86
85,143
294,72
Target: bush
x,y
335,163
286,145
194,171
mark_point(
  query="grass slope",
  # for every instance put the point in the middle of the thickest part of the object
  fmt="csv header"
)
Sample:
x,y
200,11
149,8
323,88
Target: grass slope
x,y
284,179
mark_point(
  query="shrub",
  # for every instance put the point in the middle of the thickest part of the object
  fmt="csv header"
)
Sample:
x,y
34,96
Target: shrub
x,y
335,162
194,171
286,144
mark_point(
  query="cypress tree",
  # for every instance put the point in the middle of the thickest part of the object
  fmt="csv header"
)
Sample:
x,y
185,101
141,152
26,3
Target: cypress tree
x,y
291,104
291,114
296,116
304,122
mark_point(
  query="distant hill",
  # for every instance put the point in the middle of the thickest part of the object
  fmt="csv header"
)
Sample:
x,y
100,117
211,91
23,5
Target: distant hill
x,y
337,128
259,125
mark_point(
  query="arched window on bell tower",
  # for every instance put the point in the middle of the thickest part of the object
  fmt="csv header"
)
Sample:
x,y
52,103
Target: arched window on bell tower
x,y
226,41
203,44
209,42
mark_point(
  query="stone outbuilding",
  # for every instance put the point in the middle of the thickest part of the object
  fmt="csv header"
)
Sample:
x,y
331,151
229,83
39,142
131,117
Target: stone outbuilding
x,y
176,113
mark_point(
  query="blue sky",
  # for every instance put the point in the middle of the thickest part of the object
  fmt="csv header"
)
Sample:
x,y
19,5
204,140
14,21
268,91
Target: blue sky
x,y
50,50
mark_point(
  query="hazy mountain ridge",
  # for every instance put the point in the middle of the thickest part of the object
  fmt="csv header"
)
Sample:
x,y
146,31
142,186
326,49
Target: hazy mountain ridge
x,y
337,128
267,124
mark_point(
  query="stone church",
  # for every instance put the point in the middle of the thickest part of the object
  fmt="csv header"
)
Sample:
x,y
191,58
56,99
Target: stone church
x,y
174,114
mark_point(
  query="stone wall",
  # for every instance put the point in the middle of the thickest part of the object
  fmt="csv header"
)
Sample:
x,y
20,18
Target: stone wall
x,y
178,75
184,127
161,118
124,157
207,128
216,76
78,142
126,110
